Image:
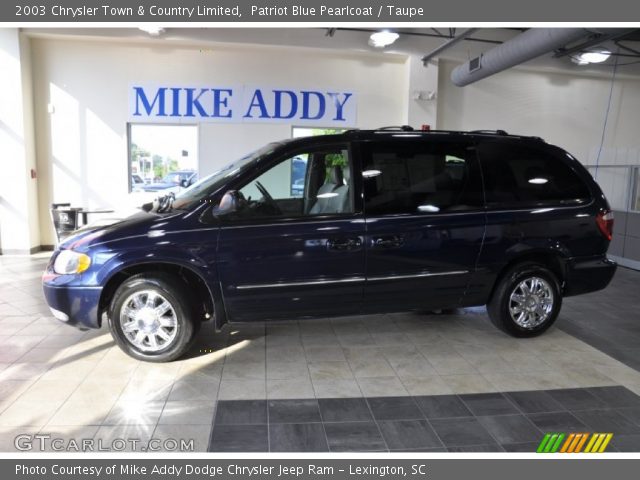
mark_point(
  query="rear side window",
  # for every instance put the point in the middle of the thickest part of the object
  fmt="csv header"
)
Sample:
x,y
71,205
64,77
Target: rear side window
x,y
418,177
521,176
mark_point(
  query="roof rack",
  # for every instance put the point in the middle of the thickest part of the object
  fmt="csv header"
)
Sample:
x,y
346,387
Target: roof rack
x,y
493,132
402,128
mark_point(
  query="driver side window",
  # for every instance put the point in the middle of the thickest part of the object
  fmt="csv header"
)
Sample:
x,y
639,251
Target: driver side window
x,y
307,183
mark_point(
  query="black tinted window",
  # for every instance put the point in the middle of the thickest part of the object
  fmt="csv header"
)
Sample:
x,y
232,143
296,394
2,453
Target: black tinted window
x,y
517,175
415,177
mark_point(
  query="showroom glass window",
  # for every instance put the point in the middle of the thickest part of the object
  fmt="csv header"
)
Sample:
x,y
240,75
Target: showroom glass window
x,y
420,177
520,176
324,186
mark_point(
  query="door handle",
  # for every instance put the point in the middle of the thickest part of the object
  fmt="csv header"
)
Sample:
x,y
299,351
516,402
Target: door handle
x,y
392,241
344,244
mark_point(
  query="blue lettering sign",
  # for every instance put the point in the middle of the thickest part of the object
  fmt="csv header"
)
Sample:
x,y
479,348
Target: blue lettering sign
x,y
306,105
257,101
141,97
293,103
221,99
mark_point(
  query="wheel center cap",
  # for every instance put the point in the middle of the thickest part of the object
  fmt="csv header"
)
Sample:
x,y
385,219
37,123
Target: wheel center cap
x,y
147,320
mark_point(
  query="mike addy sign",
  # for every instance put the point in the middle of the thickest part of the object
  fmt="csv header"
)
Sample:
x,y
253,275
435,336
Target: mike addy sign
x,y
244,104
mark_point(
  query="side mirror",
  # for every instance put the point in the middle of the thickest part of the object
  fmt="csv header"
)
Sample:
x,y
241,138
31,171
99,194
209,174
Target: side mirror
x,y
228,203
184,183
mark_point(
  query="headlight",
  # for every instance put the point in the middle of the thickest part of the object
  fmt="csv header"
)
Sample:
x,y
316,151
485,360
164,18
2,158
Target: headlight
x,y
68,262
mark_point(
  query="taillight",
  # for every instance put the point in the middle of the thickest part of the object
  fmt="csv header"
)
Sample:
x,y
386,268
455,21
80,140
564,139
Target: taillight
x,y
604,220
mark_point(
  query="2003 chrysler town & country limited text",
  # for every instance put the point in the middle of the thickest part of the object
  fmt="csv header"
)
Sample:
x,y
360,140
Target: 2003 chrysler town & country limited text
x,y
386,220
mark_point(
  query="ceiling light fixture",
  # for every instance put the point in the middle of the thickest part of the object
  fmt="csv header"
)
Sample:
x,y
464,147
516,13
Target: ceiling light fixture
x,y
592,56
382,39
153,30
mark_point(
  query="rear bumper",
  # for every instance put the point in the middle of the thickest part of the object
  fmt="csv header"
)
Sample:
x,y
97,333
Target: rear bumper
x,y
74,305
586,275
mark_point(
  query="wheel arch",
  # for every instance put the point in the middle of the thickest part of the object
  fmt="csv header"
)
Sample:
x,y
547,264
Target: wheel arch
x,y
207,307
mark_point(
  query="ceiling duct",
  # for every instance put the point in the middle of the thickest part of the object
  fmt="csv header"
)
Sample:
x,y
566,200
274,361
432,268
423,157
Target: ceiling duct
x,y
526,46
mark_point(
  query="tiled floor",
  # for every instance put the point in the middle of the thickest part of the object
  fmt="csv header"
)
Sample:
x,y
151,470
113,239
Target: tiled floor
x,y
491,422
72,384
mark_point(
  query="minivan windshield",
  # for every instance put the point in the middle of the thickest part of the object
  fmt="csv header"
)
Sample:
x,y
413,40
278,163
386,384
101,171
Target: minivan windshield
x,y
209,184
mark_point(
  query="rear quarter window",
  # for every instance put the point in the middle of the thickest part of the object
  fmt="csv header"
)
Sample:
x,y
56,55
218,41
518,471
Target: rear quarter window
x,y
517,175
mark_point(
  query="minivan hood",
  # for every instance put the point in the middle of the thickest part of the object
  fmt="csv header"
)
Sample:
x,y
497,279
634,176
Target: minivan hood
x,y
139,223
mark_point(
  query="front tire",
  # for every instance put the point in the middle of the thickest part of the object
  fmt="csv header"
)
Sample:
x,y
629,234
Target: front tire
x,y
151,318
526,301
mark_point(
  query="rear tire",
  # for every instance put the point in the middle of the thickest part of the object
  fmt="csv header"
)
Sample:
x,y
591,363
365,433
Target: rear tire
x,y
151,317
526,301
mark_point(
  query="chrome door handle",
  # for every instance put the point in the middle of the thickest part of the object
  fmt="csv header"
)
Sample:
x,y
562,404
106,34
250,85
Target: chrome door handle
x,y
344,244
392,241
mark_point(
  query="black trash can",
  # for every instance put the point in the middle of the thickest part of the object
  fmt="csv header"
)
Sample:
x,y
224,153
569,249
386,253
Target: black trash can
x,y
65,219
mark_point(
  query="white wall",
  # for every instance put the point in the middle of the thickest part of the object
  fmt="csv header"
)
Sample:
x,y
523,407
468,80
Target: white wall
x,y
81,148
18,193
565,109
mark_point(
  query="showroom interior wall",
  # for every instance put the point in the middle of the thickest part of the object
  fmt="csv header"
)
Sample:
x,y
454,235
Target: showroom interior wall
x,y
81,94
18,189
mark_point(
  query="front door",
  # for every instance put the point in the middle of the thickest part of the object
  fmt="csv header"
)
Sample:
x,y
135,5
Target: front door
x,y
295,247
425,222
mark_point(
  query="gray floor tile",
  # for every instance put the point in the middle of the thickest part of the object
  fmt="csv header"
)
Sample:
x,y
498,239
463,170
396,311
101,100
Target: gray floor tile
x,y
536,401
625,443
235,412
491,447
297,437
354,436
394,408
616,397
632,414
607,421
527,447
408,434
293,411
576,398
511,428
344,410
488,404
458,432
239,438
556,422
442,406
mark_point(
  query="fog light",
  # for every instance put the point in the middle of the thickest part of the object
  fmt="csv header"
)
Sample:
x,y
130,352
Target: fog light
x,y
63,317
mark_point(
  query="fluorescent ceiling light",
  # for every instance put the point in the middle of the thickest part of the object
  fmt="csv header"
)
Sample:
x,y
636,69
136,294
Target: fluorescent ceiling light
x,y
153,30
592,56
382,39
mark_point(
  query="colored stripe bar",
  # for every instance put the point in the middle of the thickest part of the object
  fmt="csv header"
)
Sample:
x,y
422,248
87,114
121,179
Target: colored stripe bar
x,y
543,443
557,444
566,445
592,441
582,441
606,441
576,439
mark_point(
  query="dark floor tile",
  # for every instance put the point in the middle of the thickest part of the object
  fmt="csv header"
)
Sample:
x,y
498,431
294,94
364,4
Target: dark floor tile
x,y
236,412
239,438
442,406
457,432
632,414
489,404
404,434
422,450
616,397
344,410
394,408
529,447
491,447
576,398
557,422
625,443
607,421
535,401
511,428
294,411
354,436
297,437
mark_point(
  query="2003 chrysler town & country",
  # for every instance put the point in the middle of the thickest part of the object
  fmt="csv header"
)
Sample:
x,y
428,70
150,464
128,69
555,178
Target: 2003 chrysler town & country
x,y
385,221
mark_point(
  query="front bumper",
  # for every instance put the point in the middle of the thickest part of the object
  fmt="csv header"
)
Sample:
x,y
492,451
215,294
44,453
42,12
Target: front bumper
x,y
79,304
586,275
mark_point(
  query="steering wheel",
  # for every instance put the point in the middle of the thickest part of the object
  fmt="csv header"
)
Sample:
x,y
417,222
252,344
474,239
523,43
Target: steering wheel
x,y
268,199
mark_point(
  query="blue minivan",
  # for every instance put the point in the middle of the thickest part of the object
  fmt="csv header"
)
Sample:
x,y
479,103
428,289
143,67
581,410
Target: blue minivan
x,y
386,220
